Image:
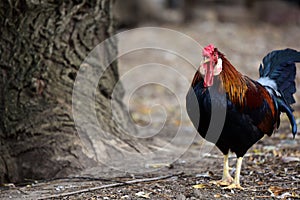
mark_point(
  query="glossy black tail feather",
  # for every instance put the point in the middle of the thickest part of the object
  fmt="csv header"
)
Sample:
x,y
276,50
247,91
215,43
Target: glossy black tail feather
x,y
280,66
285,108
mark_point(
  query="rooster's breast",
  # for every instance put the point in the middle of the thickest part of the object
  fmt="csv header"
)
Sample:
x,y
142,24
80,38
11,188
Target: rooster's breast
x,y
238,133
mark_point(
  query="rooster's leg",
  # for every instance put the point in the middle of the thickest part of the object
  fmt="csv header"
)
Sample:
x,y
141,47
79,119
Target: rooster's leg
x,y
226,178
236,182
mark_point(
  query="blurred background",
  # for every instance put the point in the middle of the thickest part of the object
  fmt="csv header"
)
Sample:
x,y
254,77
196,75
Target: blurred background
x,y
132,13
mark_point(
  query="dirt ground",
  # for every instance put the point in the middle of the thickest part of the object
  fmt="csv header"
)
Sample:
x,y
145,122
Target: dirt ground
x,y
271,168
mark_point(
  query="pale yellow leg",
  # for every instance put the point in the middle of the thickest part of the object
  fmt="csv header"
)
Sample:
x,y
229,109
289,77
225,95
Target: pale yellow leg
x,y
226,178
236,183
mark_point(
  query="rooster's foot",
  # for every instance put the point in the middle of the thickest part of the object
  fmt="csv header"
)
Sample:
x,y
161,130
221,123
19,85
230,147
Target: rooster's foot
x,y
223,182
234,186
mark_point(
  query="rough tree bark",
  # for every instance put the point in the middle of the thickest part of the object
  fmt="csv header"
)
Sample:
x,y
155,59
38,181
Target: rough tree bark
x,y
42,45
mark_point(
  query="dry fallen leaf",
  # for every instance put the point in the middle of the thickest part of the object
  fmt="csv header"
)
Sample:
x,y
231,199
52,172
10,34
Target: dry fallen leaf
x,y
276,191
125,197
260,183
294,195
217,195
199,186
143,195
257,151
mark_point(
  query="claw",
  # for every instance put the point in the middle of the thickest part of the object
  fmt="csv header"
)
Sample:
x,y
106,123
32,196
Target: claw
x,y
223,181
234,186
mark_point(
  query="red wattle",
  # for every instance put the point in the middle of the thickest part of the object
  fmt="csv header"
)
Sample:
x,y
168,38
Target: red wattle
x,y
208,78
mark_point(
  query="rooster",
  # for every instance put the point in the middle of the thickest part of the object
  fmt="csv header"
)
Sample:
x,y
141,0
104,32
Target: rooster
x,y
252,108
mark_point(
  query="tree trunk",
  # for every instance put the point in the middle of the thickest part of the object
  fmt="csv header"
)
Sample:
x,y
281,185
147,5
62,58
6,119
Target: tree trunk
x,y
42,45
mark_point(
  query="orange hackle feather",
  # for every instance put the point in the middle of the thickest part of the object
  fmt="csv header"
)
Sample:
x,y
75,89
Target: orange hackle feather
x,y
233,82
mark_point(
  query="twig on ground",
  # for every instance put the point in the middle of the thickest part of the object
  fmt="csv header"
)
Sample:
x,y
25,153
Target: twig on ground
x,y
79,178
109,186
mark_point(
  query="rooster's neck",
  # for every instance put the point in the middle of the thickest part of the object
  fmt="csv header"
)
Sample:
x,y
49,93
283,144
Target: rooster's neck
x,y
233,82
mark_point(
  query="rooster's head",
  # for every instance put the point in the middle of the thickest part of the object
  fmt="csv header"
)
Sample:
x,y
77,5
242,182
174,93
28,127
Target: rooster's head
x,y
211,65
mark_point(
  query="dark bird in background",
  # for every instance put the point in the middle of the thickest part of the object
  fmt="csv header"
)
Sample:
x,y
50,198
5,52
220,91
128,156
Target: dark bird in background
x,y
252,108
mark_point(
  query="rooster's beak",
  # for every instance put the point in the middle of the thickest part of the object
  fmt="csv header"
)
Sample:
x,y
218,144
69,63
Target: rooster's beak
x,y
205,61
201,68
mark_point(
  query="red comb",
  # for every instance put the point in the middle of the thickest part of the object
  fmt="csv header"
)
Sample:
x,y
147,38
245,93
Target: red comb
x,y
208,50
